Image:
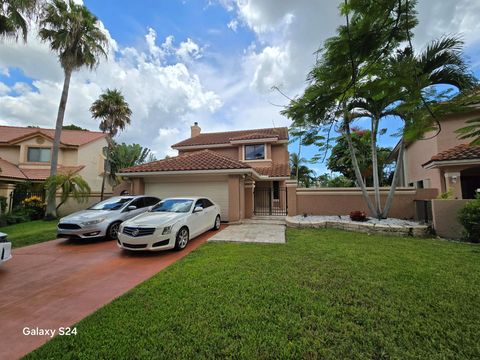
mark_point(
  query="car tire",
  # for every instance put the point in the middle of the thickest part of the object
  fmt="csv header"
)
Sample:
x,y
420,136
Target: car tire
x,y
182,238
112,231
216,225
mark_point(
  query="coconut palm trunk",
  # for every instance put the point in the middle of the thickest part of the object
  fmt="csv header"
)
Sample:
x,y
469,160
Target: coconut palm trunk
x,y
51,211
106,167
358,173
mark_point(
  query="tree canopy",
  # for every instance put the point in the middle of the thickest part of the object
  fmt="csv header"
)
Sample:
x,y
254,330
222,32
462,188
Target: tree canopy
x,y
370,70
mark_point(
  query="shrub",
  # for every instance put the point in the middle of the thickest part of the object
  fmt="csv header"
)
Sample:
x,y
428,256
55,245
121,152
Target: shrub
x,y
358,216
469,217
448,195
3,205
34,207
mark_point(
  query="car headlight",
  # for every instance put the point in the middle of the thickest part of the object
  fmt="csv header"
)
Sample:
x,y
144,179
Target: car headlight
x,y
167,230
93,222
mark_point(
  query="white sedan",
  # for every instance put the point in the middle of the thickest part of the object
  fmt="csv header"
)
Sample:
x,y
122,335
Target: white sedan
x,y
169,224
5,248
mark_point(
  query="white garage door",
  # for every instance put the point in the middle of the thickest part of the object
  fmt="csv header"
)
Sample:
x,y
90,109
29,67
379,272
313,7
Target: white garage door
x,y
215,190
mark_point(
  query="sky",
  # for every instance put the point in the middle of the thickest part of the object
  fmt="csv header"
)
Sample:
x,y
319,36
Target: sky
x,y
210,61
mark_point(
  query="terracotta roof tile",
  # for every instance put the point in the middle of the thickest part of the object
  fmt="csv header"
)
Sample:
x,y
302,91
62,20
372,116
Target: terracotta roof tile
x,y
276,170
43,174
12,171
226,137
197,160
459,152
10,134
254,136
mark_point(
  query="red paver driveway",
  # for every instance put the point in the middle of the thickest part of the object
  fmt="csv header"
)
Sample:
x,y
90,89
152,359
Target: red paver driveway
x,y
57,283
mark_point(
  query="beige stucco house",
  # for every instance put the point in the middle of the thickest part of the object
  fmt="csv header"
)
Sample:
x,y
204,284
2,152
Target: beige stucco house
x,y
444,162
243,171
25,156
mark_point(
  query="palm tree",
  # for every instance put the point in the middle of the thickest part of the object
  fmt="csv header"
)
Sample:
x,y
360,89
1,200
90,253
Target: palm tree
x,y
295,163
440,63
71,186
114,113
74,34
14,16
123,156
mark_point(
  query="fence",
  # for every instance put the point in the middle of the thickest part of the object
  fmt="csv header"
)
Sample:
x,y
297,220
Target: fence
x,y
18,196
341,201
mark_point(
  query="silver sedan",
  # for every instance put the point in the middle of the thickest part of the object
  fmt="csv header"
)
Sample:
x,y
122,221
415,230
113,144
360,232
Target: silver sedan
x,y
103,219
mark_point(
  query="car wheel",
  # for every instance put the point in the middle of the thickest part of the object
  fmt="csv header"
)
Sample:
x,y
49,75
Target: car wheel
x,y
112,231
182,239
216,226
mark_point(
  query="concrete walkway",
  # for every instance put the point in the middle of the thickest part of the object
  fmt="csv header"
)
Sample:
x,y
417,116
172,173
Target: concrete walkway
x,y
57,283
252,233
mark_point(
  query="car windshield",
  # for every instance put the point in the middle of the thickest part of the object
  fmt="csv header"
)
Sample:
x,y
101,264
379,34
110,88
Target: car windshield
x,y
173,205
115,203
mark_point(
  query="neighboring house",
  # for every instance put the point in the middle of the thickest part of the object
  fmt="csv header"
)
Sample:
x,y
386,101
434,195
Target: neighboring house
x,y
444,162
243,171
25,156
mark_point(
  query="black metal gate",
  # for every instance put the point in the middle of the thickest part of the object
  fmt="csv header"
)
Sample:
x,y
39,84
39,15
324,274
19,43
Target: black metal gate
x,y
270,201
17,197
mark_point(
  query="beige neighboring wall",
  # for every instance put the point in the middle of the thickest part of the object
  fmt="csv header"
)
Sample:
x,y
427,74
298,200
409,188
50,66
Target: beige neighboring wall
x,y
10,153
91,156
445,221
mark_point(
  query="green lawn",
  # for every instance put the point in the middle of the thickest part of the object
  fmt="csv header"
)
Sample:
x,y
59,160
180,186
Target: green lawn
x,y
325,294
31,232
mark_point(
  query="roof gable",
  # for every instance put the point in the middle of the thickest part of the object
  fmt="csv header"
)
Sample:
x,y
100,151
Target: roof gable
x,y
218,138
197,160
14,134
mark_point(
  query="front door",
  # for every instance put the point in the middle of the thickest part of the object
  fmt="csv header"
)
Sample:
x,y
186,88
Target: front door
x,y
270,200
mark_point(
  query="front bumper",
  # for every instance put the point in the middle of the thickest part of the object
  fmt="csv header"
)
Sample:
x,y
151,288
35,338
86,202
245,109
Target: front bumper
x,y
5,251
154,242
82,232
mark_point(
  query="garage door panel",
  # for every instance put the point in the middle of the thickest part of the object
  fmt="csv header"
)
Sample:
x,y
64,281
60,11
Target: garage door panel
x,y
215,190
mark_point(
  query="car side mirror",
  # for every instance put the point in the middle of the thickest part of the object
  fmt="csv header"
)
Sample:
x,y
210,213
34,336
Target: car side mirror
x,y
132,207
197,209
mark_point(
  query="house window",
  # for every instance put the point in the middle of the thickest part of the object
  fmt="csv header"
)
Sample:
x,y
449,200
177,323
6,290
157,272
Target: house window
x,y
39,154
255,152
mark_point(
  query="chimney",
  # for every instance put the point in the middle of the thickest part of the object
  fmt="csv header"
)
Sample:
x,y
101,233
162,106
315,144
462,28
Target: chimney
x,y
195,129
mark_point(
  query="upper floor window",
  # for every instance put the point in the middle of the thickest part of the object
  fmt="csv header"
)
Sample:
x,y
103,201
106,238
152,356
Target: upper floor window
x,y
39,154
255,152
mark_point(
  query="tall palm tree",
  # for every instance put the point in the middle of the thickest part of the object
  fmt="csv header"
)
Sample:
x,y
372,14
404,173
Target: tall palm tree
x,y
14,16
74,34
114,113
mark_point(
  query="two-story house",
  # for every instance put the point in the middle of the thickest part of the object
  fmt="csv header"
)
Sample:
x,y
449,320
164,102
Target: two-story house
x,y
25,156
243,171
444,162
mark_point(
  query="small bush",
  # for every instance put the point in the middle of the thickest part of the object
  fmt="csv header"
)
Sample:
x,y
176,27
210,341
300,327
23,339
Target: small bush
x,y
448,195
469,217
34,207
3,205
358,216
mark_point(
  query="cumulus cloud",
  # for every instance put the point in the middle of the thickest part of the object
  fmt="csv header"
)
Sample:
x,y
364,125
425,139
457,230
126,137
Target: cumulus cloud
x,y
289,32
162,95
233,25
